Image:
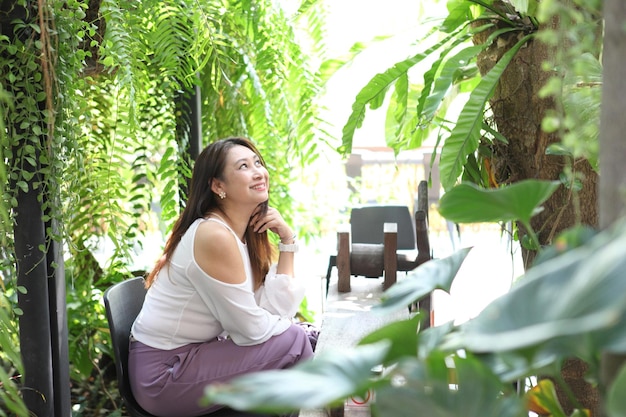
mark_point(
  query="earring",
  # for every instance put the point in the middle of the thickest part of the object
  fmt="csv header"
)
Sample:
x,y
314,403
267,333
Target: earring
x,y
222,195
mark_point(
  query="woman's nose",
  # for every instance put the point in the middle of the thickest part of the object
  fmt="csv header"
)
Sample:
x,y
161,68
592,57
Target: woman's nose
x,y
258,173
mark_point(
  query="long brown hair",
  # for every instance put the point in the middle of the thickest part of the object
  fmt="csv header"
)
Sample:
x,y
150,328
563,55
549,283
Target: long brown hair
x,y
209,165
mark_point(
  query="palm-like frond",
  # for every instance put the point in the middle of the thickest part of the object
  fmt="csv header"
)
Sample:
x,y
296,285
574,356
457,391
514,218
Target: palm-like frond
x,y
419,109
464,138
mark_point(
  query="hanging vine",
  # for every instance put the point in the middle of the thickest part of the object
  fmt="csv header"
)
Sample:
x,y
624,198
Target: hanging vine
x,y
87,119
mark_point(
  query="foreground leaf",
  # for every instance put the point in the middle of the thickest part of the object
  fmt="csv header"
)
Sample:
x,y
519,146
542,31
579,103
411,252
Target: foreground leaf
x,y
464,138
572,305
402,335
468,203
426,390
542,399
436,274
306,385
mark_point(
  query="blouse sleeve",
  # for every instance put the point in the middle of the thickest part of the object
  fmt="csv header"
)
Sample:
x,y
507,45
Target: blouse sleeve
x,y
235,307
280,294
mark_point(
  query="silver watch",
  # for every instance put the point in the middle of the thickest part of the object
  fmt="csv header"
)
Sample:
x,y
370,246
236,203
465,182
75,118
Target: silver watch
x,y
288,248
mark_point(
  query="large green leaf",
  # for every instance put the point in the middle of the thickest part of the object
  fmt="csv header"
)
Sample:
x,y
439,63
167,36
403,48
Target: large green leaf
x,y
407,341
526,7
403,337
571,305
429,276
446,77
468,203
398,116
306,385
432,75
459,13
465,136
426,390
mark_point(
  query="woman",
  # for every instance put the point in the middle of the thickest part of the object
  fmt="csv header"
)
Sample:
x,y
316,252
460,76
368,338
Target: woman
x,y
216,307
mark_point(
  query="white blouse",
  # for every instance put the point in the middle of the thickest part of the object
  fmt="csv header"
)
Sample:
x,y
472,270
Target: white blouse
x,y
185,305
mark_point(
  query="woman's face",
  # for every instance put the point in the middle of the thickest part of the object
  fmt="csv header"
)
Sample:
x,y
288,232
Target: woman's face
x,y
245,178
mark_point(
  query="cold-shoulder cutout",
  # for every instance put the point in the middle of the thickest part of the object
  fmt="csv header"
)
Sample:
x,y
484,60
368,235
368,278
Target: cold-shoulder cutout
x,y
217,252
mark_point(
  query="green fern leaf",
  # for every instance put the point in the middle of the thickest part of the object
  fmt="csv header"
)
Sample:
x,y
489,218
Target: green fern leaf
x,y
464,138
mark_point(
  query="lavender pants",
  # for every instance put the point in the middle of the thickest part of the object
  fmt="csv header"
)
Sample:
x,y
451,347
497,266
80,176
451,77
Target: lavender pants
x,y
170,383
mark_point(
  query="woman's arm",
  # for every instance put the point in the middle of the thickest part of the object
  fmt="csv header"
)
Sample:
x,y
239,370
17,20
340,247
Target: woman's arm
x,y
273,221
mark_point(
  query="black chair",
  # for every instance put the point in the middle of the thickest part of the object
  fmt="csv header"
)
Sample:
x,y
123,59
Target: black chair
x,y
367,228
366,225
122,302
370,251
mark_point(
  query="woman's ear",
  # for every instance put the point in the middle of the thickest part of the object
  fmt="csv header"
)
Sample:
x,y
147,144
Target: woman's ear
x,y
216,186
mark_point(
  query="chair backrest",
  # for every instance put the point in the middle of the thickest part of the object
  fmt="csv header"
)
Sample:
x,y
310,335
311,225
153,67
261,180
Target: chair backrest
x,y
122,302
366,224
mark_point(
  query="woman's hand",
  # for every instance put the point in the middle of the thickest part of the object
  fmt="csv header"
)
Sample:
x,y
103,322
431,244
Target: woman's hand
x,y
273,221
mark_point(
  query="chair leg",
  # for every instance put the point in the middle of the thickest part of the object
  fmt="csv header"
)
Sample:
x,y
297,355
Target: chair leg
x,y
332,262
390,257
425,305
343,262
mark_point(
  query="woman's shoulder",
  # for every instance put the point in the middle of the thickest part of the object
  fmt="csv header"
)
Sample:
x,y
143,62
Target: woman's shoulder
x,y
217,253
213,232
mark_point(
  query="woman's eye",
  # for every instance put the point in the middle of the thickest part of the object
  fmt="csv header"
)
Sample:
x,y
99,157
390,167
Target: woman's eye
x,y
245,164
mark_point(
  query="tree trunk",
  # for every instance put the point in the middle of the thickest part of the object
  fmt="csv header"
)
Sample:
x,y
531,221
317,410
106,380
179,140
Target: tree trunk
x,y
612,145
518,112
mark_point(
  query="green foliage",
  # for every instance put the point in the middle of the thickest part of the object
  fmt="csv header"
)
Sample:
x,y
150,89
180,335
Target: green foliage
x,y
468,369
616,404
426,389
582,322
10,361
93,127
468,203
262,95
465,137
437,273
24,159
420,108
350,374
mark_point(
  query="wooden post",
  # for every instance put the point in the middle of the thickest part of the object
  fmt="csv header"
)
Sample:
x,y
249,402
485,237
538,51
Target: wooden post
x,y
423,248
421,235
390,257
422,197
343,259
